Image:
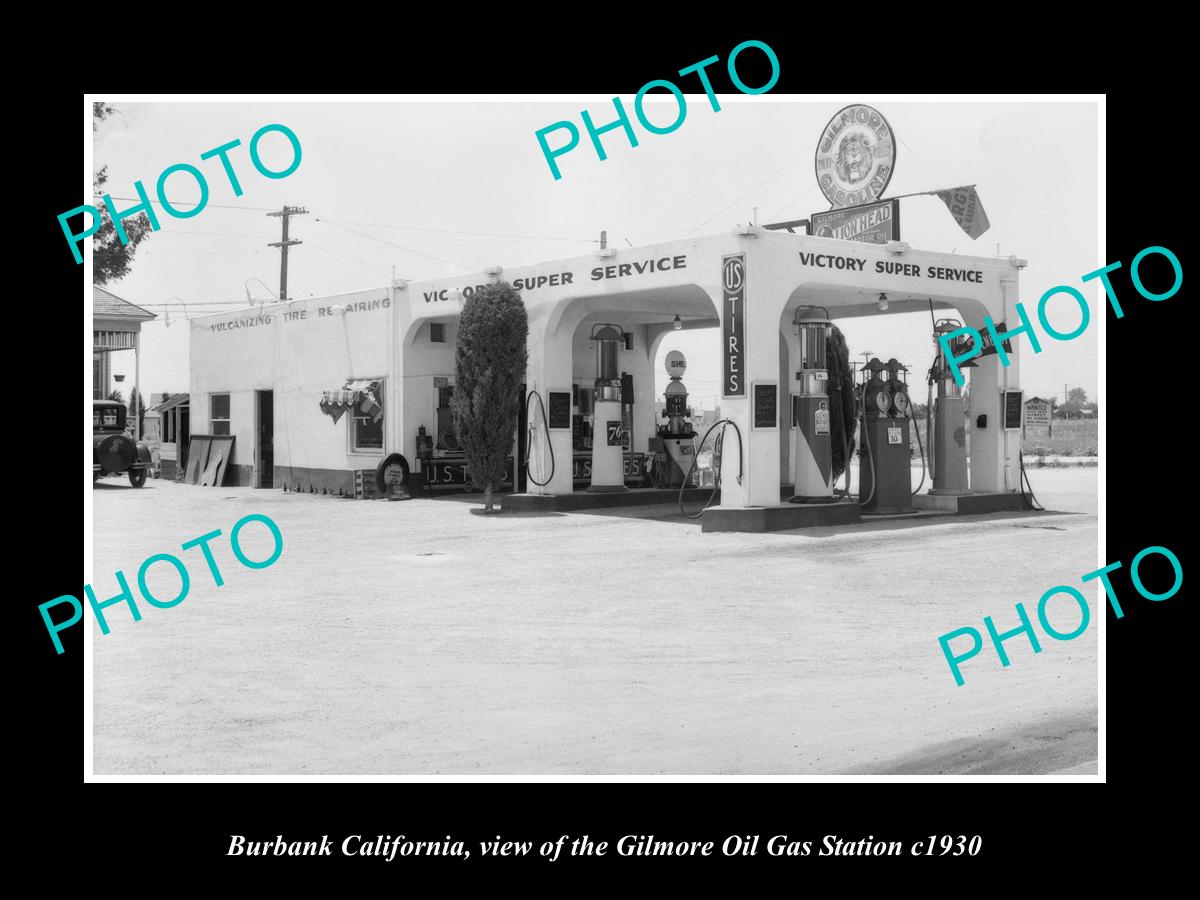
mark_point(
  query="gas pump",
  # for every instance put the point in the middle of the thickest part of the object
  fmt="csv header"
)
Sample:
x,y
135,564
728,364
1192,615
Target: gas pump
x,y
884,473
677,435
948,441
608,445
810,407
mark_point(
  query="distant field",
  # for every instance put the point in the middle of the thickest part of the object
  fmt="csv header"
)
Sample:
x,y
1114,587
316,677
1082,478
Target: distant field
x,y
1072,437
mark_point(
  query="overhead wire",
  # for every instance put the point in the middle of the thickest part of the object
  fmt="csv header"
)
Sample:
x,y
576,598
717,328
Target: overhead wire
x,y
394,244
790,162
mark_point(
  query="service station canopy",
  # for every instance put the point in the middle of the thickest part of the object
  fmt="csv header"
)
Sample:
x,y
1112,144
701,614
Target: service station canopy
x,y
654,283
691,278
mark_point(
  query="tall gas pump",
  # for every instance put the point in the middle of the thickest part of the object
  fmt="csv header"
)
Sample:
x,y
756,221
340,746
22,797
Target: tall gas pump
x,y
608,444
948,443
814,459
884,473
677,435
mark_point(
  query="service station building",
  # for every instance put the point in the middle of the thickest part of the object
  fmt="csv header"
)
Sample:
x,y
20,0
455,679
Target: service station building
x,y
317,390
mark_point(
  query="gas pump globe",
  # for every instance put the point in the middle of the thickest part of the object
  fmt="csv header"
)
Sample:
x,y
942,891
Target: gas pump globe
x,y
676,395
814,459
608,438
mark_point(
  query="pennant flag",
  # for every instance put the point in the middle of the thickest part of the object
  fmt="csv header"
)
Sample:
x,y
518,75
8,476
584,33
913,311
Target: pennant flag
x,y
964,204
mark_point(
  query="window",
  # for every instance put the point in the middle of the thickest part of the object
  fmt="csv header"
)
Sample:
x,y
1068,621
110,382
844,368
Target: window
x,y
437,333
219,413
97,378
366,435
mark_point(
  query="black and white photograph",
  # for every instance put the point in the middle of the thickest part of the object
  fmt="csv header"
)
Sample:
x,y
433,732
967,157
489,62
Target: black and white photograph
x,y
702,433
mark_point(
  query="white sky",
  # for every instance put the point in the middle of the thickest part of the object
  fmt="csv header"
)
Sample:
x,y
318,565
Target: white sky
x,y
396,173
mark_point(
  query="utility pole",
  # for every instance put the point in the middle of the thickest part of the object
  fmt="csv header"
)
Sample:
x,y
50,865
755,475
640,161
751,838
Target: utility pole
x,y
286,213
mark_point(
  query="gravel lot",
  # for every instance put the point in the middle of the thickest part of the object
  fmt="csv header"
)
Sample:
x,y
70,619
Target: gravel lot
x,y
416,637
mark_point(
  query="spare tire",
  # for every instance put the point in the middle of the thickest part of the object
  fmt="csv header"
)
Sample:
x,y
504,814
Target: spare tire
x,y
116,453
393,470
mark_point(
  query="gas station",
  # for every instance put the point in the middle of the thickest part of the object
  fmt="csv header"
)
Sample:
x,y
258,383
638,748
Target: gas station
x,y
773,297
588,437
595,326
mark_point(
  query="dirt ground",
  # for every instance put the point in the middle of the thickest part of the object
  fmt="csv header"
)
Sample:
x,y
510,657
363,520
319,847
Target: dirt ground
x,y
416,637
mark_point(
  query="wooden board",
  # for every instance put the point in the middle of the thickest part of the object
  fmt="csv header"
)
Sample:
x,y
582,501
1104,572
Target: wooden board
x,y
197,457
222,452
210,471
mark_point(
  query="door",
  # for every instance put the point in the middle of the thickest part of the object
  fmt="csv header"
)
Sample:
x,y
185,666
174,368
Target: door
x,y
266,438
444,437
183,436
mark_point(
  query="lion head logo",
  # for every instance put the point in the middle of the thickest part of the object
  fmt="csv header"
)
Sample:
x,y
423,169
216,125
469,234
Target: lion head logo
x,y
854,158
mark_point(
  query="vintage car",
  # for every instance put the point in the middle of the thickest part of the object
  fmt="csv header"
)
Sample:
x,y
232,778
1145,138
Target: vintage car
x,y
113,450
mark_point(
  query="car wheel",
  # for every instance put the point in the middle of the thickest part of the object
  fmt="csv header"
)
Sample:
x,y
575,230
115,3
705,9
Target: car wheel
x,y
137,477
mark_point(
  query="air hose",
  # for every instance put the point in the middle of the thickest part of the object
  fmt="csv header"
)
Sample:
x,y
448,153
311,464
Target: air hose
x,y
1030,500
529,439
717,471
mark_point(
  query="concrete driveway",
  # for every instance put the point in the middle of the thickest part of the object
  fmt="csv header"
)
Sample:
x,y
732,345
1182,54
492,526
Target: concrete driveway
x,y
416,637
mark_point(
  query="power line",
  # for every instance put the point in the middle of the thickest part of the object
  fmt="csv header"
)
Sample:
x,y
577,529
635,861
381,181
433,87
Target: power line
x,y
497,234
932,180
530,237
393,244
193,204
351,258
753,189
775,214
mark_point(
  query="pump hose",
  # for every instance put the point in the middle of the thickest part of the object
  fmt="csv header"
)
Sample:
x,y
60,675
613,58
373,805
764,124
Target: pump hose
x,y
929,419
717,473
866,442
1030,499
917,429
846,459
529,439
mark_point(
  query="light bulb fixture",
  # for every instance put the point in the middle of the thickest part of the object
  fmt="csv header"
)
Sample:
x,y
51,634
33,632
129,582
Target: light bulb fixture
x,y
249,298
167,310
883,303
678,323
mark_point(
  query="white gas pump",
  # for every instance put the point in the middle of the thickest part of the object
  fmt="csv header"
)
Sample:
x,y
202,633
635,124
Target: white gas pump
x,y
814,456
948,442
608,428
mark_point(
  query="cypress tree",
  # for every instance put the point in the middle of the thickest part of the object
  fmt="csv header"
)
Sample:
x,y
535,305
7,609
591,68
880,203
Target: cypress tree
x,y
489,362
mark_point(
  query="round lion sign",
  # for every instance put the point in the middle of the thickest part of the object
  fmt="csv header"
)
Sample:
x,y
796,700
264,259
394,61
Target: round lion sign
x,y
855,156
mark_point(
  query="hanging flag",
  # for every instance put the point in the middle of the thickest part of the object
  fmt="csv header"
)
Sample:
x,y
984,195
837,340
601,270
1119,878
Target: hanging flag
x,y
964,204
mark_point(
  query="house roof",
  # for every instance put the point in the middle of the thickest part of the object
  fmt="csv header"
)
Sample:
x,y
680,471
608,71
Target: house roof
x,y
107,305
170,403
